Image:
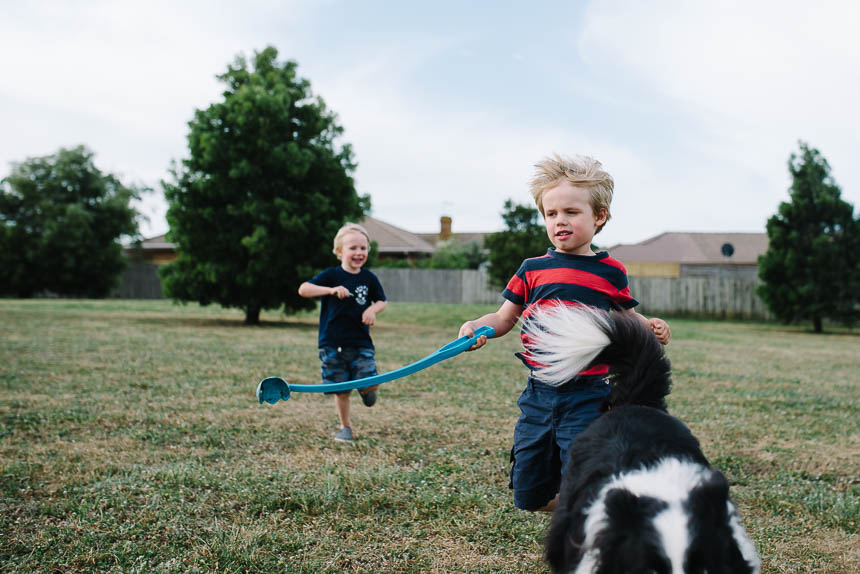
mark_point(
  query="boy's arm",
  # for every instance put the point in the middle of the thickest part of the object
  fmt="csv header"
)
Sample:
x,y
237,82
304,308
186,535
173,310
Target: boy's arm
x,y
369,315
659,327
308,289
501,321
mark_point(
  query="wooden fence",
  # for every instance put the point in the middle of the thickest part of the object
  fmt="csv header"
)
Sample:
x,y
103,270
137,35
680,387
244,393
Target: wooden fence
x,y
139,281
713,297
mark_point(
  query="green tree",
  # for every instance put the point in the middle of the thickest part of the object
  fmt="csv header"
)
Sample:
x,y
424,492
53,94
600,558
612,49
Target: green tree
x,y
255,207
523,237
452,255
61,221
810,270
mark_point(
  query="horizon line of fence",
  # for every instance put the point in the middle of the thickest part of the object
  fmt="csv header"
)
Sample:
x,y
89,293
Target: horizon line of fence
x,y
714,297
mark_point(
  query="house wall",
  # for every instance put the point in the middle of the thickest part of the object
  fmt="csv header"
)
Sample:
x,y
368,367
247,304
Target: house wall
x,y
646,269
162,258
656,269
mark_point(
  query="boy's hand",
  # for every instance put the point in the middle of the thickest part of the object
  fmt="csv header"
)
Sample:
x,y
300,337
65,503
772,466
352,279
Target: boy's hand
x,y
340,292
368,317
468,330
661,329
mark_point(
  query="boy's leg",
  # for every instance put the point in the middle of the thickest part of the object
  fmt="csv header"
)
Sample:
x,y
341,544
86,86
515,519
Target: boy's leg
x,y
341,404
536,464
580,408
335,369
550,506
363,366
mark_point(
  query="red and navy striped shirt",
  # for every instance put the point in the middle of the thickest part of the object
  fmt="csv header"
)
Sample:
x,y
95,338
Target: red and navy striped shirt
x,y
594,280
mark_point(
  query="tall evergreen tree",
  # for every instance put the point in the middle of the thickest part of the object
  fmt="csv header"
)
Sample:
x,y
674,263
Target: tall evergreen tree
x,y
61,220
254,208
524,236
811,270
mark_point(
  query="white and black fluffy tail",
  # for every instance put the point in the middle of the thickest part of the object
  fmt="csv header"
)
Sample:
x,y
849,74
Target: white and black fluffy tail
x,y
568,339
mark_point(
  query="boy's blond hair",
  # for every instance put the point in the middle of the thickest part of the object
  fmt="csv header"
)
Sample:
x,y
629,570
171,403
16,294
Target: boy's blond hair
x,y
581,171
348,228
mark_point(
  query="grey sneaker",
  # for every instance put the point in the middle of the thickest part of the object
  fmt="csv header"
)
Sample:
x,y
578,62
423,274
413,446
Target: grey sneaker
x,y
343,435
369,399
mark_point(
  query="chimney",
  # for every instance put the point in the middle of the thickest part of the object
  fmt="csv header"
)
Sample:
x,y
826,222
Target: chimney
x,y
445,232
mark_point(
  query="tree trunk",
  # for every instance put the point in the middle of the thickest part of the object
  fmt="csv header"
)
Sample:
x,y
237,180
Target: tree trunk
x,y
252,315
816,324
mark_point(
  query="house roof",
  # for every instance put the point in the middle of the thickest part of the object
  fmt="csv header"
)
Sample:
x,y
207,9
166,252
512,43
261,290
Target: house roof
x,y
391,239
458,238
159,242
446,236
695,248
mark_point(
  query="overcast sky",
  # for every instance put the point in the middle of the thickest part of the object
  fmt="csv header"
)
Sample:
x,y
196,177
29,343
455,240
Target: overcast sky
x,y
694,107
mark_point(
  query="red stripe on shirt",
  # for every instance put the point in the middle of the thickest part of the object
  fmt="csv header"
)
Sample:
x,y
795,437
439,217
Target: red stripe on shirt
x,y
571,276
614,263
517,286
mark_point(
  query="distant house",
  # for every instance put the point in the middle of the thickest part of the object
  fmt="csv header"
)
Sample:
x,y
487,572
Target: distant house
x,y
392,242
396,243
155,250
677,254
446,235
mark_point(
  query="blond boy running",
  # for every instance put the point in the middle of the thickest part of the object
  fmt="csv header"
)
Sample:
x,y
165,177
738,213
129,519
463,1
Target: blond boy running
x,y
351,298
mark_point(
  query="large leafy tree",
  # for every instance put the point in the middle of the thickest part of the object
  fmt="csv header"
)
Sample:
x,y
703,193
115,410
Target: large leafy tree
x,y
255,207
61,221
523,237
810,270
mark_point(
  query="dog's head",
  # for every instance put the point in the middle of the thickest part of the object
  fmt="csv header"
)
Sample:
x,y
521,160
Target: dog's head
x,y
644,523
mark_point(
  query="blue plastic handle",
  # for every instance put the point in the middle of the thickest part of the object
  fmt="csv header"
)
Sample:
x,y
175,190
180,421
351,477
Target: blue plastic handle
x,y
273,389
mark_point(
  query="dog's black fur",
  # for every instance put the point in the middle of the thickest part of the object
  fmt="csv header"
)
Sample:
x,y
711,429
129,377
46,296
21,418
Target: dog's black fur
x,y
702,533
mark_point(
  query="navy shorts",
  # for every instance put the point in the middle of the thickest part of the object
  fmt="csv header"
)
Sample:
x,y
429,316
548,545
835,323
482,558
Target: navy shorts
x,y
341,364
550,418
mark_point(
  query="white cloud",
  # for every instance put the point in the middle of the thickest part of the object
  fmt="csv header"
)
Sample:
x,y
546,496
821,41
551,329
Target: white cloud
x,y
755,77
122,78
693,107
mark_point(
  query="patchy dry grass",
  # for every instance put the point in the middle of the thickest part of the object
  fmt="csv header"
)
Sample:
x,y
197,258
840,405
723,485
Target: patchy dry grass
x,y
130,440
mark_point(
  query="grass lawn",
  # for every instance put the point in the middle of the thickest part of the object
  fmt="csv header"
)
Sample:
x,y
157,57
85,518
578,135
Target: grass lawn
x,y
131,441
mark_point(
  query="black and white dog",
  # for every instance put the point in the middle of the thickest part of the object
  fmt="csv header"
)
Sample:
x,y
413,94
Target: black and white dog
x,y
638,495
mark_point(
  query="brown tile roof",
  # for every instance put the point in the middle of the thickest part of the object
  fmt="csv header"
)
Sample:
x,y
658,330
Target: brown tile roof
x,y
459,238
678,247
391,239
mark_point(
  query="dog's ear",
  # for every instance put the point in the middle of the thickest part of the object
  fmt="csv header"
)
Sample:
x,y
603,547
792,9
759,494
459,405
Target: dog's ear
x,y
716,544
630,542
707,502
624,507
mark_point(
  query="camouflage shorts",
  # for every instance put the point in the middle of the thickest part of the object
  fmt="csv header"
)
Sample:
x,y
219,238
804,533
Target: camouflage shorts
x,y
341,364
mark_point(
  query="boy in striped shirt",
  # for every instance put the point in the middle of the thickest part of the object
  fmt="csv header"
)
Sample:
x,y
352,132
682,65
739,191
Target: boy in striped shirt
x,y
573,194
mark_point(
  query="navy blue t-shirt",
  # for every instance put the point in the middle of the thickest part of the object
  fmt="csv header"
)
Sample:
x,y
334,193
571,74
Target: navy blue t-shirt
x,y
340,319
